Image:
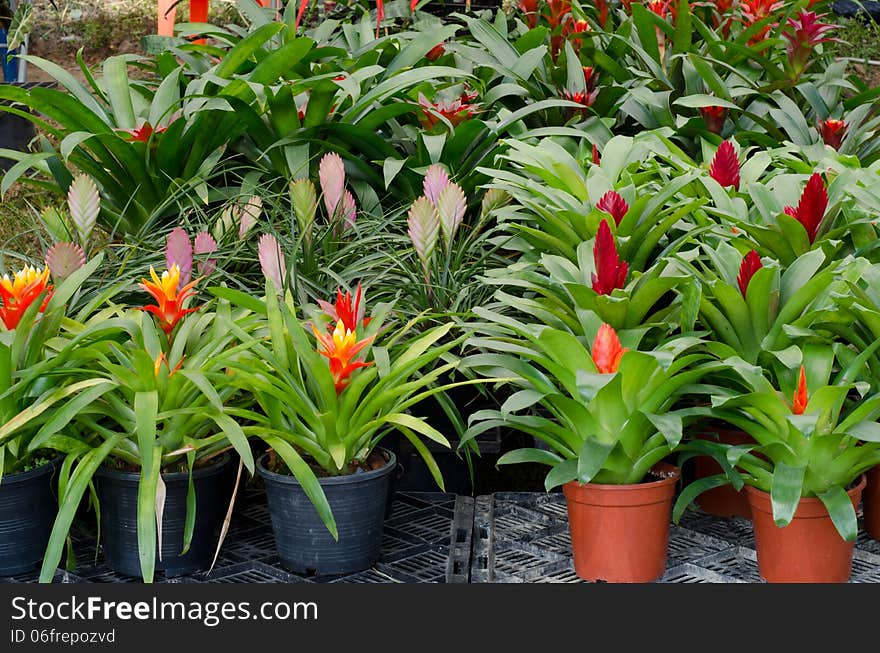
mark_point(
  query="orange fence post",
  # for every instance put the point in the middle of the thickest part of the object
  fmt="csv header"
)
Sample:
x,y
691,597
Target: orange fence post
x,y
166,18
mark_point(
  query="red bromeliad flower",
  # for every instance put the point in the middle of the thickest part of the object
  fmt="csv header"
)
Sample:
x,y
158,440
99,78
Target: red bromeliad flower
x,y
21,291
558,15
436,52
530,9
602,12
142,134
832,131
751,263
350,314
340,348
596,157
607,350
725,166
576,27
659,7
169,298
804,33
610,270
614,205
811,209
586,97
800,399
754,11
714,117
455,111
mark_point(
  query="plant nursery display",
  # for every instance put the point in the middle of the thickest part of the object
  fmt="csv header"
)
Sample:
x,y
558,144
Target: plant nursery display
x,y
627,248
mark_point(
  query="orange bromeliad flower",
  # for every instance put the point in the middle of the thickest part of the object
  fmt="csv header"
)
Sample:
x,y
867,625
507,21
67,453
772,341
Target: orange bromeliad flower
x,y
800,400
20,292
340,348
169,297
607,351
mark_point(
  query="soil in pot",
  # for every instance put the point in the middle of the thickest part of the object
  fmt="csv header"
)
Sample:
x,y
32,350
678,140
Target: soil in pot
x,y
358,502
28,505
117,493
809,549
620,533
871,503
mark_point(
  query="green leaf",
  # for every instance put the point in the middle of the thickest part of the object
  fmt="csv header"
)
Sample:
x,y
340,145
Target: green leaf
x,y
561,474
146,411
307,479
842,512
245,49
419,426
786,489
592,458
528,455
693,490
146,511
70,502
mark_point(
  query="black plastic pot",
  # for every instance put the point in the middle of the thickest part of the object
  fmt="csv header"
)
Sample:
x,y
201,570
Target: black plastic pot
x,y
358,502
117,493
28,505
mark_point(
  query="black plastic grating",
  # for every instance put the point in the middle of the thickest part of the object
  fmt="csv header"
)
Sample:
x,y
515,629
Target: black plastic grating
x,y
418,546
524,538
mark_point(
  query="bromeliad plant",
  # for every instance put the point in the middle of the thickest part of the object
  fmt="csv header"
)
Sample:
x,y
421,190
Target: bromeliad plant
x,y
170,406
40,351
812,439
326,394
607,412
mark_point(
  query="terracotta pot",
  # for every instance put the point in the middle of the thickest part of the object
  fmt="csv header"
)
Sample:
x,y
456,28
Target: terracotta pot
x,y
619,533
809,549
721,501
871,503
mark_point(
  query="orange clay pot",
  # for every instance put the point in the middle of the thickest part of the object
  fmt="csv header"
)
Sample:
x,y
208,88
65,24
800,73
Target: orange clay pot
x,y
871,503
722,501
809,549
619,533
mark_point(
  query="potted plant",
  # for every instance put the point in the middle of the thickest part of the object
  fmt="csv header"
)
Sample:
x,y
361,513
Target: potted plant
x,y
325,395
157,441
805,473
39,353
754,309
606,413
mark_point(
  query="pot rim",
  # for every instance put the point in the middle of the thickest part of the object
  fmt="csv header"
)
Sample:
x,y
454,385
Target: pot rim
x,y
199,472
670,473
41,470
290,479
761,495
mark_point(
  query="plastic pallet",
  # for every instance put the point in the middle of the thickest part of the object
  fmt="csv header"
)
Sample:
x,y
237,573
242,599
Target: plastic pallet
x,y
426,539
524,538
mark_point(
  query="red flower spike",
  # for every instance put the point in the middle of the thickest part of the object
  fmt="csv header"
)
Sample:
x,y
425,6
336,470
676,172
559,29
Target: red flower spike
x,y
610,270
725,166
832,131
614,205
602,12
607,351
350,313
21,291
804,33
436,52
340,348
169,298
751,263
800,399
714,118
754,11
810,210
530,9
455,111
596,157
